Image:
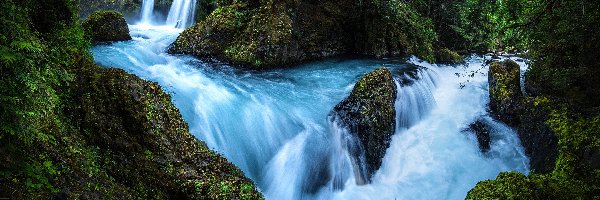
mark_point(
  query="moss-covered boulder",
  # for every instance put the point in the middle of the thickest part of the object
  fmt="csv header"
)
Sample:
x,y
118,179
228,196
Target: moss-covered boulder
x,y
106,26
505,90
369,115
508,185
265,34
447,56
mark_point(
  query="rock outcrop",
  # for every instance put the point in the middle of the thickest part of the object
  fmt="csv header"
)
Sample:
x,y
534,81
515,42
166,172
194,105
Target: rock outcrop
x,y
538,139
369,115
527,114
505,91
265,34
106,26
135,126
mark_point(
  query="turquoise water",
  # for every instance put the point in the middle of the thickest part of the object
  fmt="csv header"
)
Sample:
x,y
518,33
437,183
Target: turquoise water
x,y
274,124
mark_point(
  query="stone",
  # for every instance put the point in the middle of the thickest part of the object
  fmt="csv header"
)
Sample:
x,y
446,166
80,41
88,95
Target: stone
x,y
505,91
106,26
369,115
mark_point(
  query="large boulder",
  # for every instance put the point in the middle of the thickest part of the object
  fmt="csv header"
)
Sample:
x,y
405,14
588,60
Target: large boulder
x,y
265,34
505,90
106,26
369,115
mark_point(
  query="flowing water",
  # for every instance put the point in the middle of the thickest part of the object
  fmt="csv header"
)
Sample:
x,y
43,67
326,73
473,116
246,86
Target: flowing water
x,y
181,14
147,9
275,124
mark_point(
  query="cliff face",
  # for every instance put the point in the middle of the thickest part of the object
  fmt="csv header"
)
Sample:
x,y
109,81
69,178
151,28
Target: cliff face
x,y
264,34
71,129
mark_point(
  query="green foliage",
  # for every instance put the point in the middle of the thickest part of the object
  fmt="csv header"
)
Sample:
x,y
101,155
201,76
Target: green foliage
x,y
493,25
579,149
565,52
398,24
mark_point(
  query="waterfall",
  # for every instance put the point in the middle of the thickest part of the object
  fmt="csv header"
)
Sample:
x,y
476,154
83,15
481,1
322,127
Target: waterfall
x,y
274,124
147,9
181,14
415,98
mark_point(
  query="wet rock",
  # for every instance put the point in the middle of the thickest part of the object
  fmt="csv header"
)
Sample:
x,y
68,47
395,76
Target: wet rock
x,y
369,115
106,26
409,74
505,91
482,131
538,139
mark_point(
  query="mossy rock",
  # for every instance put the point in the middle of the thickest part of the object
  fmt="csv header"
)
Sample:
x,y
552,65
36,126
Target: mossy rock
x,y
369,114
447,56
135,125
538,139
106,26
508,185
268,34
505,90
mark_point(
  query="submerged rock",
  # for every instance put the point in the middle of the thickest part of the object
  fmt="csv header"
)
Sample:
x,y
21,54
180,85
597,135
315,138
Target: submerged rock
x,y
505,91
482,131
106,26
369,115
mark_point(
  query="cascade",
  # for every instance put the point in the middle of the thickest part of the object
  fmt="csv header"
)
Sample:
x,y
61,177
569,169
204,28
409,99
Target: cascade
x,y
147,9
181,14
274,124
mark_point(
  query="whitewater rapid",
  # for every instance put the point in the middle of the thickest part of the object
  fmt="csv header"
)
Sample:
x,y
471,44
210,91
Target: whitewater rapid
x,y
275,124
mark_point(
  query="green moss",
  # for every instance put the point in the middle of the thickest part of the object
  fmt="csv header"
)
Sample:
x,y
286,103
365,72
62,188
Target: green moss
x,y
106,26
369,115
447,56
508,185
575,174
505,90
